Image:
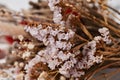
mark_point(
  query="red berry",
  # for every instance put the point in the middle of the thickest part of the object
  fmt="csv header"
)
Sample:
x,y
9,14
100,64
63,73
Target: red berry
x,y
68,11
75,13
9,39
23,22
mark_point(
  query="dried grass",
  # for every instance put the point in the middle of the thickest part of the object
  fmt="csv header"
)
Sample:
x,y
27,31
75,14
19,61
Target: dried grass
x,y
87,21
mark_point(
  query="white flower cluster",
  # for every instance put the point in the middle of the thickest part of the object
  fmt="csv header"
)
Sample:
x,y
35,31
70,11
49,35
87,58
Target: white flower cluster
x,y
90,49
30,66
52,4
57,16
75,67
105,35
66,68
89,56
57,51
58,45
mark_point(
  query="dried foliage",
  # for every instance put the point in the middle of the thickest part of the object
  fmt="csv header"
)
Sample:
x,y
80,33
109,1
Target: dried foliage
x,y
73,40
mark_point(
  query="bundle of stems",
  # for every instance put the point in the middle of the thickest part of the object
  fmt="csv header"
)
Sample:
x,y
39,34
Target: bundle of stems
x,y
88,17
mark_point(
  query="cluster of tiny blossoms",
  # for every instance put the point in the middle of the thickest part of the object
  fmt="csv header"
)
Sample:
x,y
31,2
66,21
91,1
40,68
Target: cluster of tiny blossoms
x,y
90,49
57,42
57,16
58,55
105,35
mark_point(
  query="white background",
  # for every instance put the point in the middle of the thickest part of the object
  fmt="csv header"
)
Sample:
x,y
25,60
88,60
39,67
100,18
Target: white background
x,y
16,4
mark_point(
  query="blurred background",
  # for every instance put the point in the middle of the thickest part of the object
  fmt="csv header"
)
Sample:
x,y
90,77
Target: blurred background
x,y
16,5
23,4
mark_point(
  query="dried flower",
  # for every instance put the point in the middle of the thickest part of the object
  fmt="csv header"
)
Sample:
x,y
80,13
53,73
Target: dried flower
x,y
57,16
57,51
105,33
57,48
20,37
31,46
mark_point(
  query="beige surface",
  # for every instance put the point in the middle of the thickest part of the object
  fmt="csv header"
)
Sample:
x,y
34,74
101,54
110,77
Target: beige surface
x,y
11,29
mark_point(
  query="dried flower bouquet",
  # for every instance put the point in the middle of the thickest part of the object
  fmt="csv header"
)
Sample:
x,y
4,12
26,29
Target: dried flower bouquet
x,y
80,40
